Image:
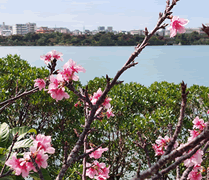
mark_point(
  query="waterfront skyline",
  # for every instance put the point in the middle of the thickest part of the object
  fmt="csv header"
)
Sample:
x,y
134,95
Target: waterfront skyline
x,y
91,14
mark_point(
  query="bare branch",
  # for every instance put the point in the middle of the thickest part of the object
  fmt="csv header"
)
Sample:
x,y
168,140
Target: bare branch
x,y
178,161
11,100
204,136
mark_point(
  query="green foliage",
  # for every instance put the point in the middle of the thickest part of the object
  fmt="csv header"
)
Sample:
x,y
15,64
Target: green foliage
x,y
148,110
137,108
99,39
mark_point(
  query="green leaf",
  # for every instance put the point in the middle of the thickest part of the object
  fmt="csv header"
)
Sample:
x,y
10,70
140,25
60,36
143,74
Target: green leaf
x,y
22,131
23,144
7,178
5,136
2,158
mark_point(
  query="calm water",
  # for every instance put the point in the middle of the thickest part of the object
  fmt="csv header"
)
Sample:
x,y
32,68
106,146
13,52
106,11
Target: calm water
x,y
156,63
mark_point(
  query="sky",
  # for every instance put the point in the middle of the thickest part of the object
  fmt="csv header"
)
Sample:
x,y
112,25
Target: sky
x,y
89,14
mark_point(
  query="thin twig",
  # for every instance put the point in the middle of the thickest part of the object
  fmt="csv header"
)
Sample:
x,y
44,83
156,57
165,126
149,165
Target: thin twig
x,y
180,120
10,151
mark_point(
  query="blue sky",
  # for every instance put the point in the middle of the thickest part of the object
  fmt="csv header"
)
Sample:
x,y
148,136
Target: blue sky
x,y
121,15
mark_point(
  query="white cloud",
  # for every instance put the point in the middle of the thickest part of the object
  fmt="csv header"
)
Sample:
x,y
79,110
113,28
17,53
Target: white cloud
x,y
2,7
3,1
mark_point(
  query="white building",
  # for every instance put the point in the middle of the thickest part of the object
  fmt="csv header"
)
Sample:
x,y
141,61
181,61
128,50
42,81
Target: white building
x,y
139,32
6,33
21,29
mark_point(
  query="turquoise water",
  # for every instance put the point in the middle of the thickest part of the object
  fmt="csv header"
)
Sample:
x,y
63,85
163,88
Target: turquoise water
x,y
156,63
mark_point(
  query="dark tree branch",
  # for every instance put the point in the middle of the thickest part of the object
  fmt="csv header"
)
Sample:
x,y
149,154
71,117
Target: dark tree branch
x,y
37,168
11,100
204,136
178,161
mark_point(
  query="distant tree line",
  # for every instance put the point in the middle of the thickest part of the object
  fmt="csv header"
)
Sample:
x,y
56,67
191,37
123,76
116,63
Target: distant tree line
x,y
100,39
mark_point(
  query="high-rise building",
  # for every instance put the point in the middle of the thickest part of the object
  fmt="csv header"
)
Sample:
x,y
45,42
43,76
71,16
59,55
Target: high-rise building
x,y
101,28
109,29
31,27
21,29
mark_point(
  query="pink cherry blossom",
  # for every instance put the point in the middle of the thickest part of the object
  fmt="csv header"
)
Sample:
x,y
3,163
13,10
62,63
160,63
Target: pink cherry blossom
x,y
54,82
58,94
195,175
43,142
198,123
208,112
69,70
158,150
100,177
75,68
106,103
177,25
96,154
50,56
195,159
161,144
109,113
97,170
193,134
40,83
40,157
96,96
46,58
162,141
20,166
56,55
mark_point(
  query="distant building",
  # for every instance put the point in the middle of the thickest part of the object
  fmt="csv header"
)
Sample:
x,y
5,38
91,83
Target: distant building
x,y
109,29
20,29
44,30
94,32
124,32
61,30
161,32
76,32
31,27
6,27
167,32
139,32
5,30
6,33
86,31
101,28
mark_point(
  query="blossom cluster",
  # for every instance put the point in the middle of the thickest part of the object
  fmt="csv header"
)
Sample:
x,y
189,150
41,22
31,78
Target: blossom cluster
x,y
196,159
104,109
161,145
97,170
105,105
39,151
56,86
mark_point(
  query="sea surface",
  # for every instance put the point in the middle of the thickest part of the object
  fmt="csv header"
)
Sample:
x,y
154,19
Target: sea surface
x,y
155,63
